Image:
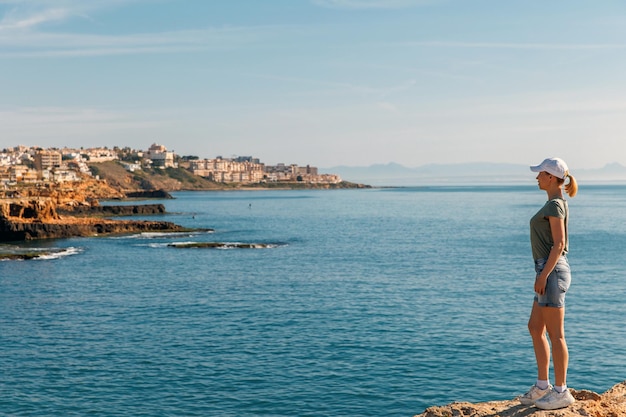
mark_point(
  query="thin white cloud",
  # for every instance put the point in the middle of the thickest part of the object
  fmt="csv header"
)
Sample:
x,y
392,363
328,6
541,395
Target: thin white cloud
x,y
37,44
74,126
47,117
29,15
24,15
537,105
43,44
10,22
335,88
371,4
24,32
514,45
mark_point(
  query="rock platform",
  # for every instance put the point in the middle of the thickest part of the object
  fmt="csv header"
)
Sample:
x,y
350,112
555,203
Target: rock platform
x,y
612,403
38,218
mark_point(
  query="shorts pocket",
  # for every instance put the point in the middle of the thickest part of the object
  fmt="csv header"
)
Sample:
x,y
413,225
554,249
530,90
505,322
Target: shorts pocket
x,y
564,279
562,267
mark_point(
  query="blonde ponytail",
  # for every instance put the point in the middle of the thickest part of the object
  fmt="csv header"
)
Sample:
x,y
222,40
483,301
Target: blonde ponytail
x,y
571,188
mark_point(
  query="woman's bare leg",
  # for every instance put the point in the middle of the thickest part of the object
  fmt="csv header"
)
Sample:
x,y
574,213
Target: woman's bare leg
x,y
553,319
537,329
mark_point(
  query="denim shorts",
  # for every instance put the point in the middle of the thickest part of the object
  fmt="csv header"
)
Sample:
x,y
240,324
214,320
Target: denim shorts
x,y
558,283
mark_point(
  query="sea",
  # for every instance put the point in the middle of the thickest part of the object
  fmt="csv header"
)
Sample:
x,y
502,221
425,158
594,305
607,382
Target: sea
x,y
360,302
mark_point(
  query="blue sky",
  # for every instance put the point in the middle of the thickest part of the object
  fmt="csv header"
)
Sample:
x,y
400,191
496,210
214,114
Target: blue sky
x,y
320,82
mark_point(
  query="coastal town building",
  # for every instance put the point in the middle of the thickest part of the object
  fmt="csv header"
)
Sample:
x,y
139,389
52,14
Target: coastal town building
x,y
228,170
95,154
18,173
76,162
34,164
159,157
46,160
131,166
251,170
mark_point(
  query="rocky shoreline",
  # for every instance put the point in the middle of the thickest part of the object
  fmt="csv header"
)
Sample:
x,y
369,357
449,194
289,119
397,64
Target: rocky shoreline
x,y
38,218
612,403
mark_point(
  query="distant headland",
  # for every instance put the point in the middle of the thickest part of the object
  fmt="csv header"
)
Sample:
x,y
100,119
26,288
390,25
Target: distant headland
x,y
129,170
56,193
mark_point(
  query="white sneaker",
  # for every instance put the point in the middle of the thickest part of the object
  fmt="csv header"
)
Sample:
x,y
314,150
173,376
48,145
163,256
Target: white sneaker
x,y
533,394
554,400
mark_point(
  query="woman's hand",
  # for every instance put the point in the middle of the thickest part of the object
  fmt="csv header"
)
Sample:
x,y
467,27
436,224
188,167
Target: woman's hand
x,y
540,284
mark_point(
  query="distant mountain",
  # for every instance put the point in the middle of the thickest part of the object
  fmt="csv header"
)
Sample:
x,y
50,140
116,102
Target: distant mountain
x,y
614,168
393,174
613,172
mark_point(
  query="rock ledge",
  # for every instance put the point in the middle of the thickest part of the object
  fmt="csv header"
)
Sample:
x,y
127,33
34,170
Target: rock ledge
x,y
37,218
588,404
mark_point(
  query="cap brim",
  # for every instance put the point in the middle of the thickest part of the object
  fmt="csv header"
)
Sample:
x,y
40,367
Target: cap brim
x,y
536,168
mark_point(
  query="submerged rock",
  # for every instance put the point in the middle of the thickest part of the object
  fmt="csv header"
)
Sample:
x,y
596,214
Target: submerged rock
x,y
222,245
21,256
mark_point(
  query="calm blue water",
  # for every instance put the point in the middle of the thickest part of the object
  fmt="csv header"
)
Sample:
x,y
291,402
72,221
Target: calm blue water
x,y
369,303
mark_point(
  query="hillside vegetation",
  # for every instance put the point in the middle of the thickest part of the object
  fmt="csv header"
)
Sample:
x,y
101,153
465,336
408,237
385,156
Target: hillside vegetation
x,y
169,179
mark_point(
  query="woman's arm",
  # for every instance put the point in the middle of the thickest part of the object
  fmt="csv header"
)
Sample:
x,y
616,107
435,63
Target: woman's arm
x,y
557,226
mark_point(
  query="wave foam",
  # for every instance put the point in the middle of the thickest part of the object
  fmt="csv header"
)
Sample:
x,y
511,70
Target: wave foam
x,y
160,235
23,254
61,253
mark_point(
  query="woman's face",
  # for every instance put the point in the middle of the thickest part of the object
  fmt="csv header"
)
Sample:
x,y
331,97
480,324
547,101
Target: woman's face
x,y
543,180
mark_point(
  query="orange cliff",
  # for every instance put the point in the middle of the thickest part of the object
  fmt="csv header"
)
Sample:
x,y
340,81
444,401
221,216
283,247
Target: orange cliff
x,y
70,193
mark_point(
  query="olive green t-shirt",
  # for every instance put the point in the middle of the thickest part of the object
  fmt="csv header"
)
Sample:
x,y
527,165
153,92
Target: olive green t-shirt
x,y
540,234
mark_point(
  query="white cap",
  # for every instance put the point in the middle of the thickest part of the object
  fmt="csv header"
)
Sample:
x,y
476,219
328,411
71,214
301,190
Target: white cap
x,y
554,166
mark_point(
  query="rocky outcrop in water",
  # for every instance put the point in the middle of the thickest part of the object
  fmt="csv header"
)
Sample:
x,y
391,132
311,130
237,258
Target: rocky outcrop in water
x,y
149,194
12,231
610,404
20,256
222,245
116,210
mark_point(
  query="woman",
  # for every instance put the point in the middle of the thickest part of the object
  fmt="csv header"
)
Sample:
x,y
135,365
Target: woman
x,y
549,241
